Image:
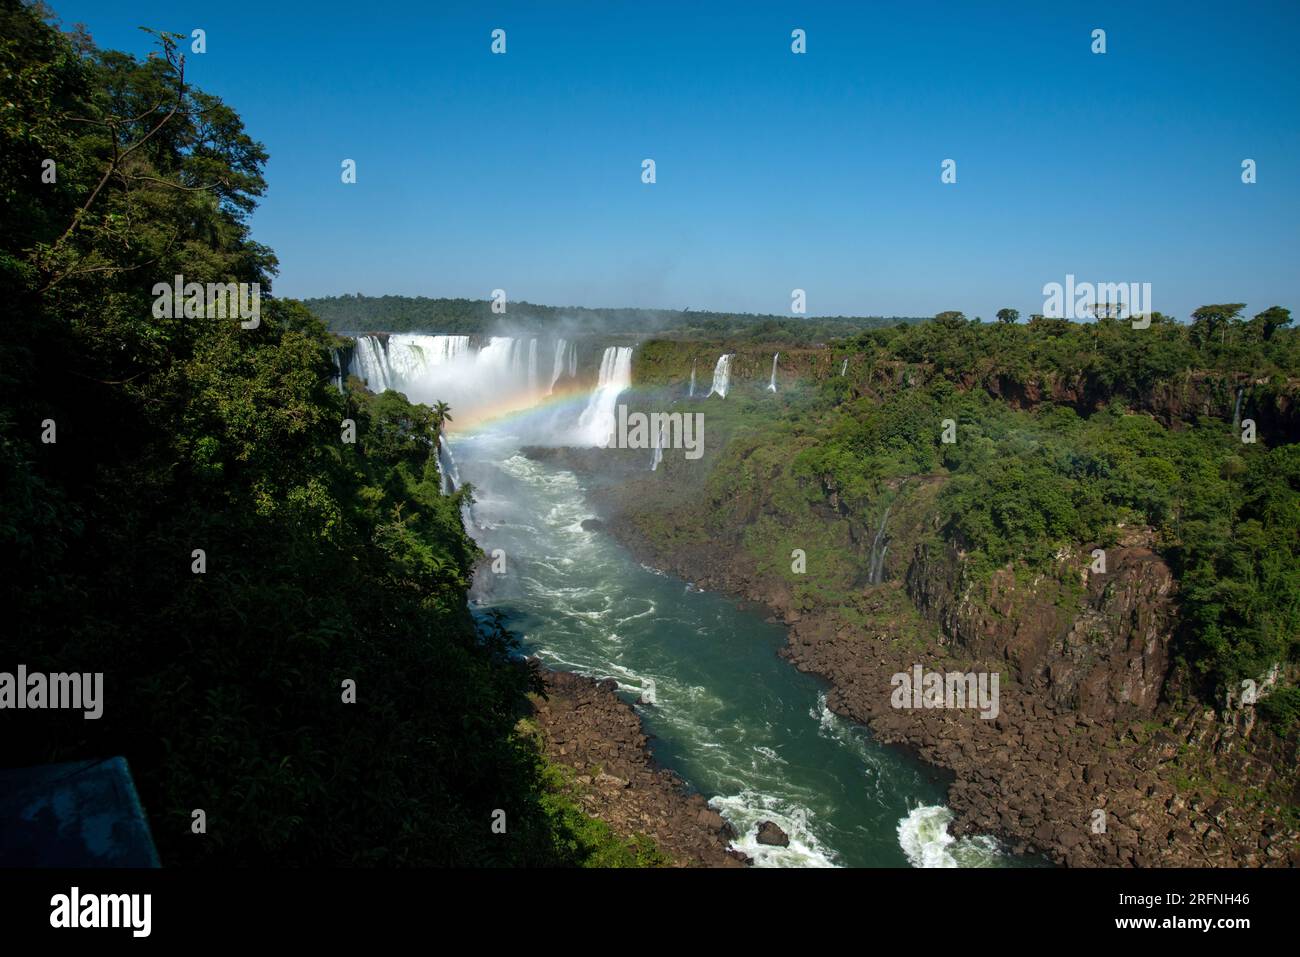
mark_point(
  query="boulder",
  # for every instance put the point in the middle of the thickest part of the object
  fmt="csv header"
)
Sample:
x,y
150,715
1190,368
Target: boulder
x,y
770,834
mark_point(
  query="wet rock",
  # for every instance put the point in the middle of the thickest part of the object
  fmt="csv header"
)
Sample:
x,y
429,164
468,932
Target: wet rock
x,y
769,833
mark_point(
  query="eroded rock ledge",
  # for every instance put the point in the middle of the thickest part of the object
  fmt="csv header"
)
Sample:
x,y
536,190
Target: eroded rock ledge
x,y
587,727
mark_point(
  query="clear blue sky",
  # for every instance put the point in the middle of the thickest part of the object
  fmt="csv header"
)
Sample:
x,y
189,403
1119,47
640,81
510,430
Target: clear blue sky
x,y
775,171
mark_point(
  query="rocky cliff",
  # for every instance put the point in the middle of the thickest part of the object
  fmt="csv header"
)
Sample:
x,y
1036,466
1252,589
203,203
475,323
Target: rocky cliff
x,y
1096,642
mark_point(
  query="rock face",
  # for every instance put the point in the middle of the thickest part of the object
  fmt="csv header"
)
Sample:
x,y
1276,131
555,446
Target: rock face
x,y
587,727
1274,407
1104,654
769,833
1083,763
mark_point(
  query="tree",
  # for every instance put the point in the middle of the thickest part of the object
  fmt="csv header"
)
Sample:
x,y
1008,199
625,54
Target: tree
x,y
441,415
326,559
1207,320
1268,322
1008,316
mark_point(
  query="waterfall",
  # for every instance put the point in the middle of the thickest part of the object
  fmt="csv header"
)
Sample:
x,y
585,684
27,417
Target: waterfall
x,y
370,363
597,422
1236,409
721,376
498,377
405,360
447,369
497,355
451,482
410,357
771,386
336,356
447,468
658,455
876,566
693,361
561,354
844,368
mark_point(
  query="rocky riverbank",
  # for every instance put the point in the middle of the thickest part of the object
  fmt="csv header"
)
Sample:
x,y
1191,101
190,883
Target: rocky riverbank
x,y
1042,776
586,727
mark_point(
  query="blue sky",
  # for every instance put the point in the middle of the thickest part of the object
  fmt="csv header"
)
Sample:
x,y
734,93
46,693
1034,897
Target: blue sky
x,y
775,171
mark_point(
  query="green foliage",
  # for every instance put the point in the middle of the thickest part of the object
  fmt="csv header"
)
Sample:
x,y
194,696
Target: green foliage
x,y
1082,460
326,560
1281,709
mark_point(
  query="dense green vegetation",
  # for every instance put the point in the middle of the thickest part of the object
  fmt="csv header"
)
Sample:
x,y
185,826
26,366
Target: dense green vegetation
x,y
1227,511
1107,426
357,313
324,560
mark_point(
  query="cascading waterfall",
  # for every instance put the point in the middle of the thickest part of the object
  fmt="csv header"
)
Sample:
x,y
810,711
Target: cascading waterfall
x,y
721,376
692,393
1236,409
771,385
876,567
597,422
573,360
659,447
447,468
410,357
370,363
561,354
405,360
339,376
450,474
496,378
498,354
844,368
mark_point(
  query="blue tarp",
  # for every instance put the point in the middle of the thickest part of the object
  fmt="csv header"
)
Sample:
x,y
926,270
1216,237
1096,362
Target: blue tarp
x,y
80,814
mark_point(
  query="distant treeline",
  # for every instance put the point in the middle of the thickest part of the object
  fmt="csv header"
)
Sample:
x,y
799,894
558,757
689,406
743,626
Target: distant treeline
x,y
357,313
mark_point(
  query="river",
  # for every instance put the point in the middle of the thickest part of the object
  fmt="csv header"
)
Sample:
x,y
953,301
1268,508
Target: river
x,y
736,722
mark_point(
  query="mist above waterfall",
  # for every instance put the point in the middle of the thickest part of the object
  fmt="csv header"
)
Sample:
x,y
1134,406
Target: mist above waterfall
x,y
497,376
502,375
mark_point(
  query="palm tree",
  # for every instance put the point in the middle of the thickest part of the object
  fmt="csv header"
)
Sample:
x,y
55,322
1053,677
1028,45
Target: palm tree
x,y
442,414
